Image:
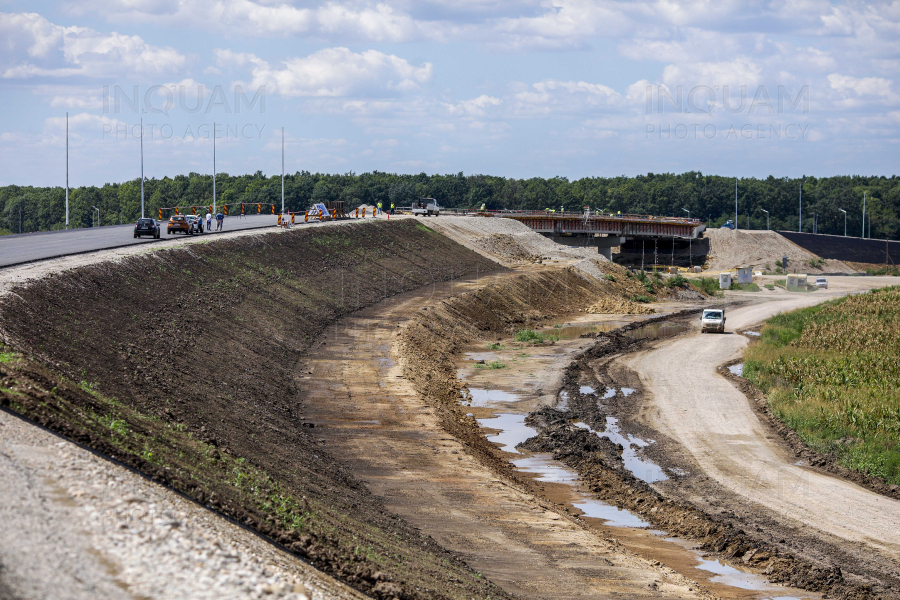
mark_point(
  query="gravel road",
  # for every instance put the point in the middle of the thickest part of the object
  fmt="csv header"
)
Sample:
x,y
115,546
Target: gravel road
x,y
715,423
75,526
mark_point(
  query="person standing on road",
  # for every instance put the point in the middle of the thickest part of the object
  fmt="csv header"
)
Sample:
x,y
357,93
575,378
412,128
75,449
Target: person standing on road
x,y
220,219
392,208
208,221
378,210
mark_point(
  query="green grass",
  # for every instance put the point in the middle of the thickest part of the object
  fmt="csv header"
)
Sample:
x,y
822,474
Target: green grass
x,y
769,286
496,346
676,281
535,337
494,364
832,373
707,285
745,287
642,299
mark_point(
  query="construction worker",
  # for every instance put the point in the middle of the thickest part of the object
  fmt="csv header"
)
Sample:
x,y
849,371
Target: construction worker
x,y
392,208
378,209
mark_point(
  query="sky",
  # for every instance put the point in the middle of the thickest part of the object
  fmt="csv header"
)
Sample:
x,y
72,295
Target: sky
x,y
520,88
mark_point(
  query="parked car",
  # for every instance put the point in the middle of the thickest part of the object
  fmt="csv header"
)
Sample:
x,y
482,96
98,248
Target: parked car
x,y
821,282
179,223
196,222
146,227
712,319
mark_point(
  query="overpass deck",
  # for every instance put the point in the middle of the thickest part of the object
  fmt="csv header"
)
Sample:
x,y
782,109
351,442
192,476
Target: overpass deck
x,y
582,224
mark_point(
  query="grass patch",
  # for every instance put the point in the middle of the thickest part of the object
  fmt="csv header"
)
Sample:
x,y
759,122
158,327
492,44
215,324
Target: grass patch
x,y
496,346
494,364
769,286
706,285
641,299
677,280
535,337
745,287
832,373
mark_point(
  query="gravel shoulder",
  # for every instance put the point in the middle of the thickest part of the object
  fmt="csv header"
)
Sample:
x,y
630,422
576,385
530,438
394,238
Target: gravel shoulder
x,y
714,425
77,526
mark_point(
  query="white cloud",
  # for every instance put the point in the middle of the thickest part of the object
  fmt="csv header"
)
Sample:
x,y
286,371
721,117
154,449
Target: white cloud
x,y
476,107
866,86
737,72
337,72
35,47
551,97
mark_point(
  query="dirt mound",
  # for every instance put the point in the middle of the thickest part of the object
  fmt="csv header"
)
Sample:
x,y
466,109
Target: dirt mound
x,y
609,305
506,247
507,241
763,250
182,363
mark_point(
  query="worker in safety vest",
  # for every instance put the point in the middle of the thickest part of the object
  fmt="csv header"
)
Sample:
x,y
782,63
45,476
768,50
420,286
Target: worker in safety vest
x,y
392,208
377,210
482,206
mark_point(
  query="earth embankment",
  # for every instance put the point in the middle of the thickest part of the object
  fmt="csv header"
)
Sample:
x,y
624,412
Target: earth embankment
x,y
180,364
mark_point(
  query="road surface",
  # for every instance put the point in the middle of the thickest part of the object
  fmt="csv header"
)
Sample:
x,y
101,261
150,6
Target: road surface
x,y
715,423
29,247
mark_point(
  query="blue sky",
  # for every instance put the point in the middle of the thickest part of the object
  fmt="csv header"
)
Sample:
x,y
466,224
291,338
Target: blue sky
x,y
520,88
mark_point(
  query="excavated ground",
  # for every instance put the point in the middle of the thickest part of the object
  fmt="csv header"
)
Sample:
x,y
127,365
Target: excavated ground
x,y
181,364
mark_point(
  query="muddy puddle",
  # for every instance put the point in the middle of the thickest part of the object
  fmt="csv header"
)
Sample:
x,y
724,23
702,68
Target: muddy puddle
x,y
639,467
655,331
485,398
737,369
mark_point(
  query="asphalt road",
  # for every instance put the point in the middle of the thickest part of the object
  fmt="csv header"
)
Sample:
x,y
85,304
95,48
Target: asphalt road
x,y
29,247
715,423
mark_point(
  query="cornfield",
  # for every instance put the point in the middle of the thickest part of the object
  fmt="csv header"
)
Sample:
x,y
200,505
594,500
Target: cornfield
x,y
832,372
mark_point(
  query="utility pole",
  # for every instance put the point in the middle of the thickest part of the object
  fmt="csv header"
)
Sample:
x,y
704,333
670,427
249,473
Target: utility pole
x,y
67,170
282,170
142,167
800,222
845,220
214,168
735,205
864,216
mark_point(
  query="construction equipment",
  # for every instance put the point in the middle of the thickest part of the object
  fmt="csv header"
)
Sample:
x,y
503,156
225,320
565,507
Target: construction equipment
x,y
426,207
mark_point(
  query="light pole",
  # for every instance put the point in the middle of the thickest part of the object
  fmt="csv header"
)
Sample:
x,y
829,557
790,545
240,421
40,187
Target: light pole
x,y
864,216
98,215
687,211
735,205
800,221
282,170
142,167
690,242
767,218
67,170
845,220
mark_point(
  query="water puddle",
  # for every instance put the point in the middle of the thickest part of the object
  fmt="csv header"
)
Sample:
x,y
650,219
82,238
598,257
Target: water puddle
x,y
753,333
482,397
514,431
737,369
485,356
640,468
546,469
627,391
655,331
609,393
563,403
613,516
586,389
569,332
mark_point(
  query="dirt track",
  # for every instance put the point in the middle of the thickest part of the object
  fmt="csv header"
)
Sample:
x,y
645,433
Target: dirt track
x,y
690,403
394,442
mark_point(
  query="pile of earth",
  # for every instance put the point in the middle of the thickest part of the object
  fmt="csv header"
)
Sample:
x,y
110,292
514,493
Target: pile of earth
x,y
182,364
610,305
763,250
506,248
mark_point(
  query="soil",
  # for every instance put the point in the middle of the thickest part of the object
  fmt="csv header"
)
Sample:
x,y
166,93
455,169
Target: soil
x,y
763,250
192,353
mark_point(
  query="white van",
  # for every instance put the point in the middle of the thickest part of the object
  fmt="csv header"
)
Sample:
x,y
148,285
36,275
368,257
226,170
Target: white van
x,y
712,319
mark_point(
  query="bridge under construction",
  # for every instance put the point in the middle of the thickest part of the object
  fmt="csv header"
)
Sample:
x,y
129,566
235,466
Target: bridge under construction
x,y
605,231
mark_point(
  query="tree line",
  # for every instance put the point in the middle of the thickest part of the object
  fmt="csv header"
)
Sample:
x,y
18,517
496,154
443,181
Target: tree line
x,y
708,197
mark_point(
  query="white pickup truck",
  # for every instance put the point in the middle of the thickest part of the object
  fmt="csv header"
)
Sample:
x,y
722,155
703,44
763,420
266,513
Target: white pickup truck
x,y
712,319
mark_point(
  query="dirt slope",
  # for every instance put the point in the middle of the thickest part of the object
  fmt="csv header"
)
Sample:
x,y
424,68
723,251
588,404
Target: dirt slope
x,y
180,363
824,517
760,249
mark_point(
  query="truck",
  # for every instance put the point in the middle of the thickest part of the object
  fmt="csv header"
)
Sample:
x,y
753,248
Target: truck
x,y
729,224
425,207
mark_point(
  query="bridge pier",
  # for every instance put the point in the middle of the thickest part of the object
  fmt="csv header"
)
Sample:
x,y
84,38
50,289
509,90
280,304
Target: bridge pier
x,y
604,244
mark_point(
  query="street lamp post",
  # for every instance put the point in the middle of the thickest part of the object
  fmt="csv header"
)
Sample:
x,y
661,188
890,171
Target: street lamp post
x,y
863,235
98,215
845,220
767,218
